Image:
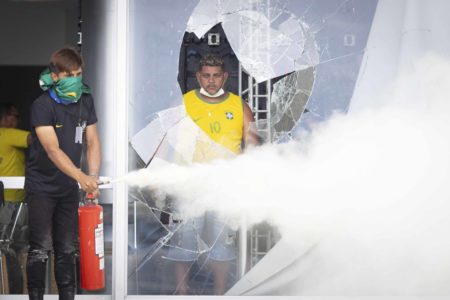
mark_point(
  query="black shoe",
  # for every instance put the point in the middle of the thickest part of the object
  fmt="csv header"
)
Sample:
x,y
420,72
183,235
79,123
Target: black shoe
x,y
36,294
67,293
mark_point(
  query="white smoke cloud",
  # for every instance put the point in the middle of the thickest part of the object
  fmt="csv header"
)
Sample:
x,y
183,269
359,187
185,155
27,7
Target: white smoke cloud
x,y
373,188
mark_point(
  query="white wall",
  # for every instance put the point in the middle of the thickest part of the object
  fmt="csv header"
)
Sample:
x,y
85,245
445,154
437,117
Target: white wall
x,y
403,31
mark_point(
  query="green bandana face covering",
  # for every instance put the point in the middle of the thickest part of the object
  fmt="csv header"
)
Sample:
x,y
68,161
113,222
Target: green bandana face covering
x,y
69,88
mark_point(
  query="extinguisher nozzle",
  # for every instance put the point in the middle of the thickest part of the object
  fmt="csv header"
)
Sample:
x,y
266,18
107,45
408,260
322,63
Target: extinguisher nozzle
x,y
107,180
103,182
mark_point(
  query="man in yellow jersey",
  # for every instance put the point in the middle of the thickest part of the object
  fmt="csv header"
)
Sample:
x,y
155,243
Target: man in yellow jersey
x,y
12,163
226,120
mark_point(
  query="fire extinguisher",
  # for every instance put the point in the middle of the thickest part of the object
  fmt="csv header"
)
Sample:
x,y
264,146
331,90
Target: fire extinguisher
x,y
92,259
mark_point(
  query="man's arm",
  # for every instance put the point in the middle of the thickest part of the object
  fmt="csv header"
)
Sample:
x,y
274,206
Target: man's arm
x,y
49,140
93,150
249,136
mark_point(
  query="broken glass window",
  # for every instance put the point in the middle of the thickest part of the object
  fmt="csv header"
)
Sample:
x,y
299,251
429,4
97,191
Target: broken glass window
x,y
298,62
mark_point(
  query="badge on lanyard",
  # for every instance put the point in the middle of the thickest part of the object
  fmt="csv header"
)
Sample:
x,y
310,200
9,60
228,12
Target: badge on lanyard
x,y
79,132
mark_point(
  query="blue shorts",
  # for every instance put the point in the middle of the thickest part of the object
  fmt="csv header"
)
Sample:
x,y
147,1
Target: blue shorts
x,y
205,234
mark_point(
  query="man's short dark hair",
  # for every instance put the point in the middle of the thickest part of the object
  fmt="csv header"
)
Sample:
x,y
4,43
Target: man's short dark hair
x,y
211,60
65,60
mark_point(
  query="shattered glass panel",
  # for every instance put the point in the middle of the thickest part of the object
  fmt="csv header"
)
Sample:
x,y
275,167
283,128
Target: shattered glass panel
x,y
288,101
298,63
188,243
267,40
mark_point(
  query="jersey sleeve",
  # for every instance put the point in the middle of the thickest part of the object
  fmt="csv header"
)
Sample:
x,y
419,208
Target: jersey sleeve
x,y
17,138
92,116
42,113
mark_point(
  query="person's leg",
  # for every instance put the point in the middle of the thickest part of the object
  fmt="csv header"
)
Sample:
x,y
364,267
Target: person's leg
x,y
181,275
19,245
15,279
40,239
65,222
184,250
11,252
220,270
223,250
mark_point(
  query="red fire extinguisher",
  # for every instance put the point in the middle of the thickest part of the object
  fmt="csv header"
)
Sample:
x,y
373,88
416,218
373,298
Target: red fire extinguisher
x,y
92,259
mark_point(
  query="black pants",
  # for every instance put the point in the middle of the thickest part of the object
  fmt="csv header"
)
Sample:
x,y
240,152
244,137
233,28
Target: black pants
x,y
53,223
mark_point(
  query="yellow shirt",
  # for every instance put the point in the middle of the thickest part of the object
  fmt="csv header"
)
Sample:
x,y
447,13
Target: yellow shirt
x,y
12,158
221,121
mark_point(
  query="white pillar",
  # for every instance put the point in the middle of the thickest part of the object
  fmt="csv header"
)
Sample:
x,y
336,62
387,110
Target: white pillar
x,y
120,115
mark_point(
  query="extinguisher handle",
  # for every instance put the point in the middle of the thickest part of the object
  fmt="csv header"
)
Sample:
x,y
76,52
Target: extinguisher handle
x,y
93,201
89,200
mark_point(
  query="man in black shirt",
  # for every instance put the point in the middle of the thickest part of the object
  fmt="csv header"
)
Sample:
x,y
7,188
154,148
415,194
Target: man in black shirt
x,y
63,119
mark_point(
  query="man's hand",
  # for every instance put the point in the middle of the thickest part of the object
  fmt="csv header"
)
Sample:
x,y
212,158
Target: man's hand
x,y
89,184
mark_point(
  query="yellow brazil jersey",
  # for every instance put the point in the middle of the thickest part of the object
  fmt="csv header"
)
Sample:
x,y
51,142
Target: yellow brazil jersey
x,y
12,158
221,121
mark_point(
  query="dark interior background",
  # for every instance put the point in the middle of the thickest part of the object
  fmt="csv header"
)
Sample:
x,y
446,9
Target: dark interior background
x,y
20,86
